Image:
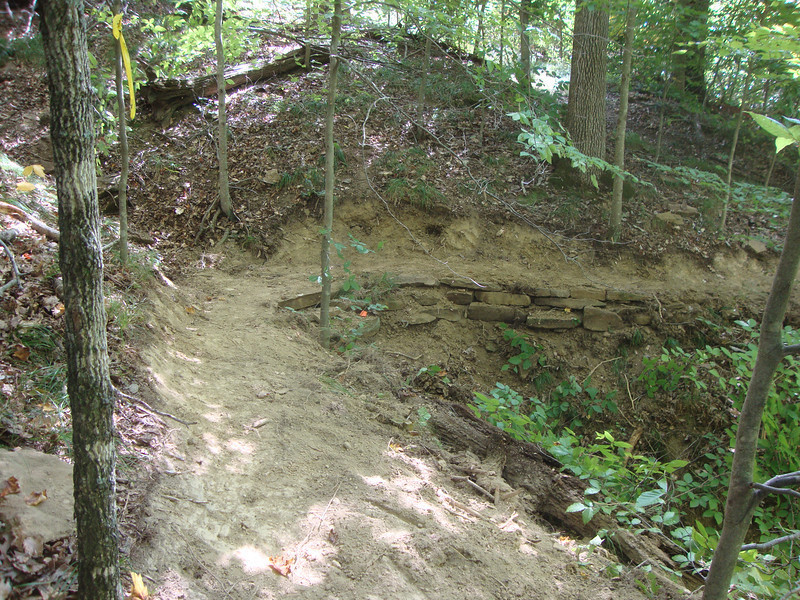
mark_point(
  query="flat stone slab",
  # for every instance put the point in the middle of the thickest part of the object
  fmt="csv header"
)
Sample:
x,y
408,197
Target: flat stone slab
x,y
572,303
479,311
756,247
406,280
683,209
545,292
598,319
503,298
421,318
622,296
670,218
466,284
426,298
302,301
53,518
553,320
448,314
459,297
587,293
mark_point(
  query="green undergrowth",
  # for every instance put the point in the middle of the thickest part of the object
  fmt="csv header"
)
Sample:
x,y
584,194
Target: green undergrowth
x,y
681,497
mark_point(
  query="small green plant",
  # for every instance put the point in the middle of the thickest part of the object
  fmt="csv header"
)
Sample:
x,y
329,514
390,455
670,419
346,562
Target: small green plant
x,y
434,371
529,360
423,416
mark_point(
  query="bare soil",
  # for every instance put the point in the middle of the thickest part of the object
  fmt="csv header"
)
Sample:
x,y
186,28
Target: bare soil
x,y
297,458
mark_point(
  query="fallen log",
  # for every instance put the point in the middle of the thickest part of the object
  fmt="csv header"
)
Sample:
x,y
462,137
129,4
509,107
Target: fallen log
x,y
165,97
35,223
550,491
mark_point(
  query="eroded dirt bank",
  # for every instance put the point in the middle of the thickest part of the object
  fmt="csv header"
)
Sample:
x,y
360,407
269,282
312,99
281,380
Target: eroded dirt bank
x,y
295,462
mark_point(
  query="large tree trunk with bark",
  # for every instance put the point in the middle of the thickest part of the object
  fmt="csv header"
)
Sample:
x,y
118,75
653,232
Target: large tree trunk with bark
x,y
586,108
81,261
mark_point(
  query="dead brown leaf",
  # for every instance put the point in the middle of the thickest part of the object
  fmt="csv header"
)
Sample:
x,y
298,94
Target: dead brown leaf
x,y
10,486
36,498
281,565
22,353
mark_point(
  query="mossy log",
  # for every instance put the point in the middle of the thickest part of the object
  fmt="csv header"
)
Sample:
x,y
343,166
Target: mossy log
x,y
164,97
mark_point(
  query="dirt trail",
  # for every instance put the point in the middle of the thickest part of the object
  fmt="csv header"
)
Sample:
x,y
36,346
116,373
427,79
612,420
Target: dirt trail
x,y
363,509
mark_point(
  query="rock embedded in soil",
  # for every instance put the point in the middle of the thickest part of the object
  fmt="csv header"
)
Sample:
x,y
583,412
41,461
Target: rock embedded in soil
x,y
756,247
467,284
302,301
622,296
479,311
404,280
52,519
556,321
426,299
459,297
586,293
670,219
544,292
503,298
571,303
419,319
448,314
598,319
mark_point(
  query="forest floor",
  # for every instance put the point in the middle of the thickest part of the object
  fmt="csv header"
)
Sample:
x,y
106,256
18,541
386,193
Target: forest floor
x,y
315,474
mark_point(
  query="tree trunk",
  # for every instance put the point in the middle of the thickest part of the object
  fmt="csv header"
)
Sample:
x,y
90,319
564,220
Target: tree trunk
x,y
734,142
222,143
307,49
622,121
324,316
423,80
742,501
771,168
477,47
525,42
586,107
124,156
81,262
502,30
690,66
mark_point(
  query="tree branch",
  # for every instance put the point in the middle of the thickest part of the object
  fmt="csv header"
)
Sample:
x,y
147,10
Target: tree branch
x,y
17,279
763,490
771,543
793,349
35,223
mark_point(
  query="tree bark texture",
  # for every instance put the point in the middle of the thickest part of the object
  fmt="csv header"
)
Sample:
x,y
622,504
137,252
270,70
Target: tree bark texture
x,y
330,164
741,501
622,122
124,157
222,119
525,41
80,258
586,107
